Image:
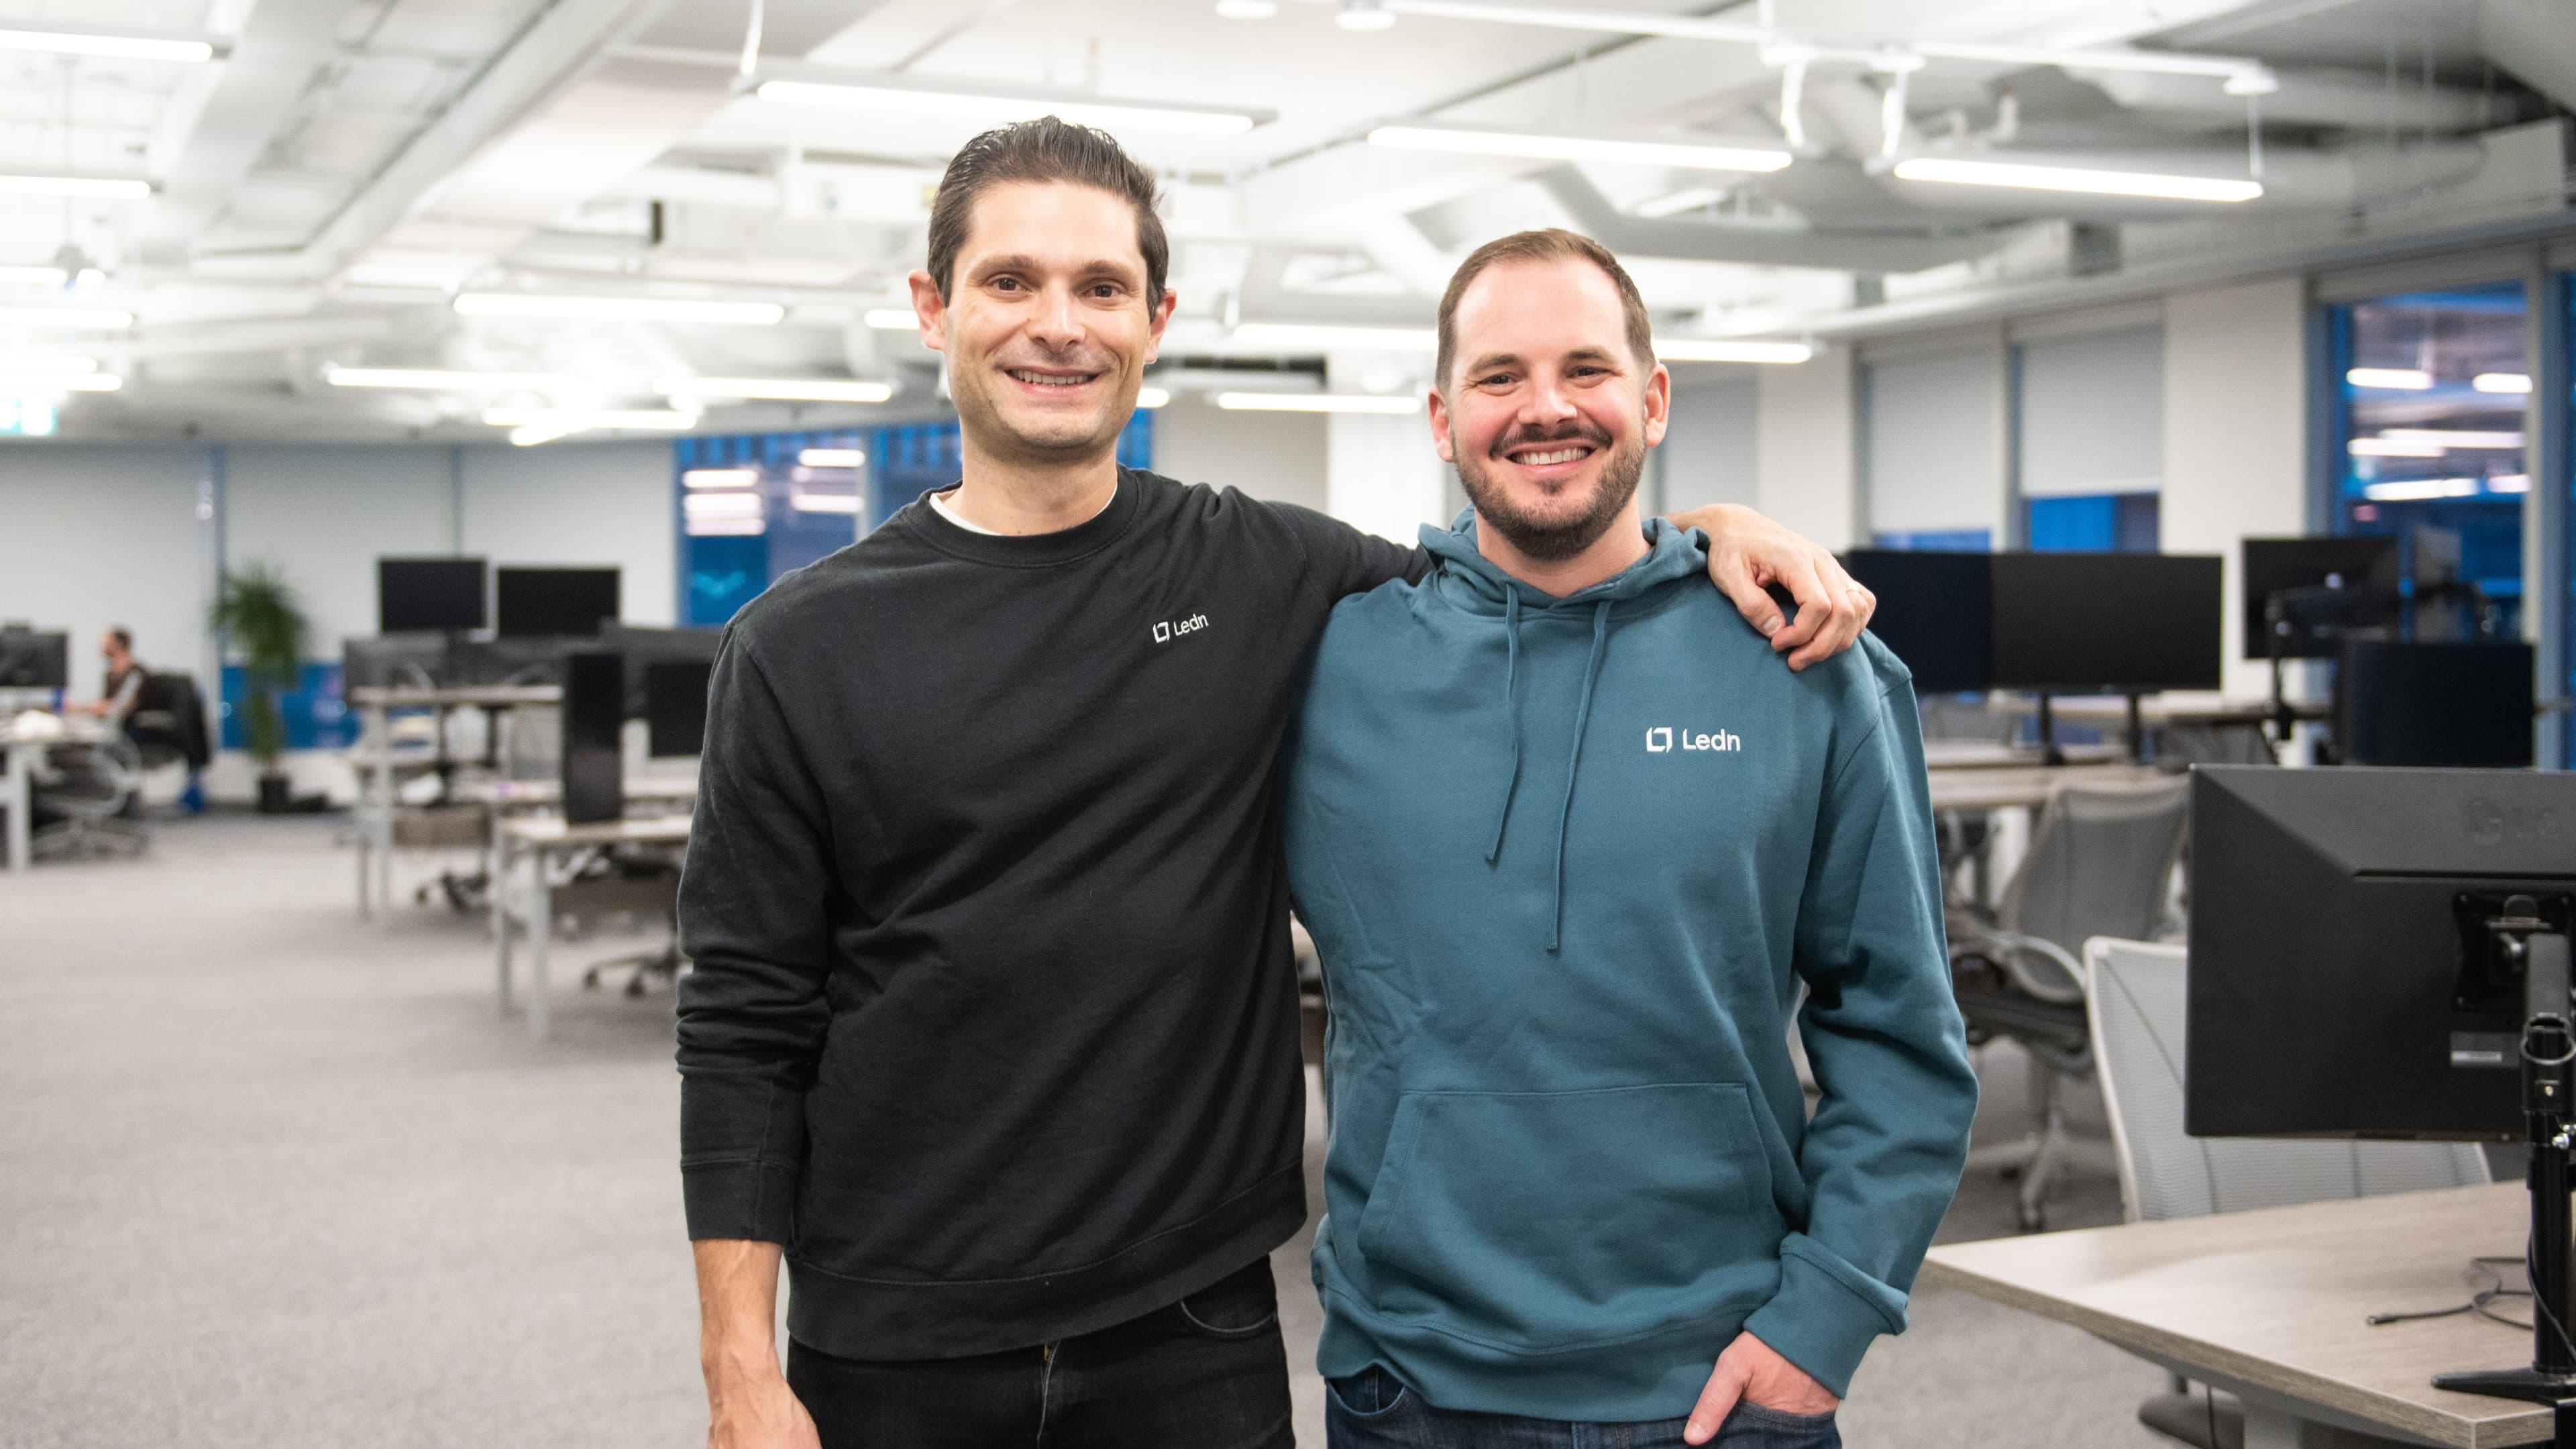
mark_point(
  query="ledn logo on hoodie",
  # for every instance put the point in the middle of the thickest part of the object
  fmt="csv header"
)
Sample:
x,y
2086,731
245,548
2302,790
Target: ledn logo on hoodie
x,y
1663,739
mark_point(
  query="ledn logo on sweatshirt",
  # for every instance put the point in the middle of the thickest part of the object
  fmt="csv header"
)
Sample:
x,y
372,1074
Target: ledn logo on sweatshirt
x,y
1663,739
1167,630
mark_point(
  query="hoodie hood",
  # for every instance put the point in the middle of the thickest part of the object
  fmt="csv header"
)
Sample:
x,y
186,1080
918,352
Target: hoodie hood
x,y
1476,584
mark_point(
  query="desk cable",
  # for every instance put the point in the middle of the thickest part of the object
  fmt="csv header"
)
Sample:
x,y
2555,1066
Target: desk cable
x,y
2478,1303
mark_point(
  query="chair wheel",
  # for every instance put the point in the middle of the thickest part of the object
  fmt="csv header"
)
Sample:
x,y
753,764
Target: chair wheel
x,y
636,986
590,980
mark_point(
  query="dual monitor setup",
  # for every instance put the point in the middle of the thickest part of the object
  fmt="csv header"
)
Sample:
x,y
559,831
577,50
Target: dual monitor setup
x,y
464,596
2133,624
33,658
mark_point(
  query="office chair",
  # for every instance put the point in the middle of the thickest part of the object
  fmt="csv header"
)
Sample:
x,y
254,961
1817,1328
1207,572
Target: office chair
x,y
168,727
2134,1003
2100,863
83,786
628,883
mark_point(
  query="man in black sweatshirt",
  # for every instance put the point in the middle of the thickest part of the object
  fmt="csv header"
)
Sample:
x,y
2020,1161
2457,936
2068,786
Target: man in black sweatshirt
x,y
993,1030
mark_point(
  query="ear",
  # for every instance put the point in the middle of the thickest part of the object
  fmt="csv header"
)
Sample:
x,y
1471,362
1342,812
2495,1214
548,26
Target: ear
x,y
1659,405
930,310
1440,428
1162,319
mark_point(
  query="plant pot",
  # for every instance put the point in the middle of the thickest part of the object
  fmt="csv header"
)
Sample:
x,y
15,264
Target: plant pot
x,y
276,794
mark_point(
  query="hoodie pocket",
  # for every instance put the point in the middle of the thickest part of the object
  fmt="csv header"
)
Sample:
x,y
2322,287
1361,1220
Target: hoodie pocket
x,y
1545,1220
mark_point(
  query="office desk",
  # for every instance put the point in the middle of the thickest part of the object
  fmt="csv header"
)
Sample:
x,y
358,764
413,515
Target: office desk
x,y
548,794
377,763
2028,786
18,793
541,841
1993,755
2269,1306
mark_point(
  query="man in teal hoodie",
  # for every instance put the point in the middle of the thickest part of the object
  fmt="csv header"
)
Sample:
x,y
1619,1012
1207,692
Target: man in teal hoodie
x,y
1570,896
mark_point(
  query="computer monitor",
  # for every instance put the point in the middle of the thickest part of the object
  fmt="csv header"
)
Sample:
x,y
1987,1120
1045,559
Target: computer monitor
x,y
594,722
1935,612
566,602
2460,702
2120,623
2340,584
645,646
430,595
33,659
675,710
2344,979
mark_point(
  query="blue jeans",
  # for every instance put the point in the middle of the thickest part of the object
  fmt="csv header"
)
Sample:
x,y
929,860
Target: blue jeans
x,y
1373,1410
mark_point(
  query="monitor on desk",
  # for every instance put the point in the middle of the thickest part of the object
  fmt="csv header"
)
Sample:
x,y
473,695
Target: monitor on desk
x,y
2117,623
2460,702
2345,973
33,659
2333,585
430,595
1934,613
564,602
645,647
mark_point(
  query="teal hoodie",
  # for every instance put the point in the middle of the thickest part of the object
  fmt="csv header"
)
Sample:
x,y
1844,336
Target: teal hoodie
x,y
1571,864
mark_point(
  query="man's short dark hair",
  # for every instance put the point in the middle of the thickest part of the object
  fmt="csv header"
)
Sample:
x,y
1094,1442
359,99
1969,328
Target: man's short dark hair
x,y
1045,149
1550,245
124,638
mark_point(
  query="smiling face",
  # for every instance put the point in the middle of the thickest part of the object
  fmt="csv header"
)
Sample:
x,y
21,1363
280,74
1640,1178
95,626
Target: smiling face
x,y
1046,323
1547,413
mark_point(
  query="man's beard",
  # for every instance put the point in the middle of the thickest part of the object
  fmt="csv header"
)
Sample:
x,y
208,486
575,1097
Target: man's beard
x,y
1553,540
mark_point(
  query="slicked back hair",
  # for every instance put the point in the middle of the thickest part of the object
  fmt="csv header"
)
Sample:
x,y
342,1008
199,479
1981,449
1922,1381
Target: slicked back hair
x,y
1550,245
1046,149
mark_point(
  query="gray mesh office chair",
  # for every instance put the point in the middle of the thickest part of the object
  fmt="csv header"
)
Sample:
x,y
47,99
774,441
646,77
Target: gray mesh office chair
x,y
2100,863
2135,1003
82,787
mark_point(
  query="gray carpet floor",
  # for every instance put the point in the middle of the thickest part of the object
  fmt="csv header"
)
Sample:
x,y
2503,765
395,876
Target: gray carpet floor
x,y
273,1177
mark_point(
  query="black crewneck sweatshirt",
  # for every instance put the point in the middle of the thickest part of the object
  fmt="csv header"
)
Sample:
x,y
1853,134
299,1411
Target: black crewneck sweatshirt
x,y
993,1021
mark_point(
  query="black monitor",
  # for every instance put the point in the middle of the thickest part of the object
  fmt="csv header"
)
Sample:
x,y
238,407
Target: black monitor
x,y
2335,585
30,659
565,602
2461,702
1935,612
2343,980
645,646
430,595
675,709
2121,623
594,723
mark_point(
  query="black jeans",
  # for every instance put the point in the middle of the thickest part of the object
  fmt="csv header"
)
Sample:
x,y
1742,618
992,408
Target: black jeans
x,y
1374,1410
1208,1372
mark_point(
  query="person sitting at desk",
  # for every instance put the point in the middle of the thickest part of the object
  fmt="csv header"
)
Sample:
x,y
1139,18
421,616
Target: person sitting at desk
x,y
125,675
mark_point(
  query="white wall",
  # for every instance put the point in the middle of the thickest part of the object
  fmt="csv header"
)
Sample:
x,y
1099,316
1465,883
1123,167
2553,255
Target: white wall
x,y
94,535
1708,455
581,503
1935,437
2235,433
1276,456
1802,450
326,513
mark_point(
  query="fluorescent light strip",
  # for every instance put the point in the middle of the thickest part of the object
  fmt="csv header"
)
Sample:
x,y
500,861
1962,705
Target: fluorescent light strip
x,y
1579,148
103,188
2513,382
721,505
893,319
121,47
860,95
2397,379
2391,448
833,458
94,319
2509,483
846,503
33,276
2418,489
35,364
21,384
777,389
2452,437
433,379
1317,402
620,309
726,527
1954,171
1714,349
1325,335
583,420
1153,397
720,477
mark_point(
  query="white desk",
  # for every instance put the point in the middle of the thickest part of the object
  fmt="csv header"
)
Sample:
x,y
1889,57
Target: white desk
x,y
2029,786
18,795
541,841
378,764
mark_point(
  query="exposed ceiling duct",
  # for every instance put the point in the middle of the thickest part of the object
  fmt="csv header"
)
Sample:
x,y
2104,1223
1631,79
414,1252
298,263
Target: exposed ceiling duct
x,y
2535,42
2351,100
1750,244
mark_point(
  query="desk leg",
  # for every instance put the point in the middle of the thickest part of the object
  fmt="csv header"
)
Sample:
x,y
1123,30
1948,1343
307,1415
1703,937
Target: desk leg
x,y
21,803
2267,1427
500,885
541,932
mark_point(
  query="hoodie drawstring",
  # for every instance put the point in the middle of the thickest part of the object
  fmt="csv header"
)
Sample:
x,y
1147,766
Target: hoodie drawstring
x,y
1582,718
1511,708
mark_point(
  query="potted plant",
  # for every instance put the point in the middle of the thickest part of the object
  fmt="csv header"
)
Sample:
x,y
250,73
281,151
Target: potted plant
x,y
261,619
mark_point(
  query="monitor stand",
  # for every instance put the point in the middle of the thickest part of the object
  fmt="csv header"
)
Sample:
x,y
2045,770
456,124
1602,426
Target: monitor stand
x,y
2548,1081
2049,753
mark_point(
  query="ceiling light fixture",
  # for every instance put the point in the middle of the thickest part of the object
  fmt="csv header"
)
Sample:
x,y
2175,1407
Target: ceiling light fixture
x,y
1364,15
1715,349
2390,448
437,379
1317,402
1153,397
1317,336
33,276
892,319
620,309
833,458
843,503
1476,141
1689,198
2452,437
2509,483
2502,382
720,478
722,505
727,527
870,92
777,389
22,384
1247,9
585,419
2400,379
100,188
131,45
2415,489
1956,171
31,364
92,319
